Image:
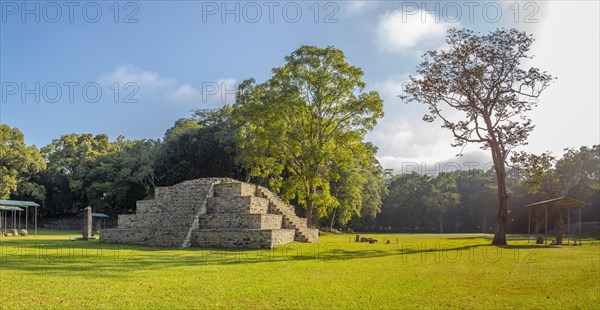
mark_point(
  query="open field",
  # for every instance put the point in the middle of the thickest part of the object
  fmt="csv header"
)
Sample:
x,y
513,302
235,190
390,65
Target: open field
x,y
413,271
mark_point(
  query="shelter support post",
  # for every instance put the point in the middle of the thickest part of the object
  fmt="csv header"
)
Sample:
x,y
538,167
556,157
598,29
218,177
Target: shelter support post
x,y
528,224
546,225
568,225
537,222
579,225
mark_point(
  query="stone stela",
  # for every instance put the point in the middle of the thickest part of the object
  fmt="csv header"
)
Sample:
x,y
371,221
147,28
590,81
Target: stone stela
x,y
86,229
211,213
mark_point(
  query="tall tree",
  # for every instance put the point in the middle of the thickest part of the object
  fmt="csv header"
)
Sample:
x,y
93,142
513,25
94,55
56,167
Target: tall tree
x,y
201,146
480,77
443,196
70,158
118,179
579,174
359,192
404,208
309,117
477,188
539,175
18,163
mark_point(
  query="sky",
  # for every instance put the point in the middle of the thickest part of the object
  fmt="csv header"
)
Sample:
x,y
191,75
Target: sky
x,y
134,68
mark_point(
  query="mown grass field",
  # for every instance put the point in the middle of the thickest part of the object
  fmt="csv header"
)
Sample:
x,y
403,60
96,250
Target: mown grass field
x,y
413,271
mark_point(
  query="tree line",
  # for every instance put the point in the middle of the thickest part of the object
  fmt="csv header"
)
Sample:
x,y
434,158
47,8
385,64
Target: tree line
x,y
466,200
77,170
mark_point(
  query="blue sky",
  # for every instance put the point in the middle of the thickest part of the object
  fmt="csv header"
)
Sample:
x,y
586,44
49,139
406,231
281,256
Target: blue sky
x,y
179,55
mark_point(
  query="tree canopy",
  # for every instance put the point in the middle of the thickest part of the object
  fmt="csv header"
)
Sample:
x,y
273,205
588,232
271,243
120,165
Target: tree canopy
x,y
305,125
18,163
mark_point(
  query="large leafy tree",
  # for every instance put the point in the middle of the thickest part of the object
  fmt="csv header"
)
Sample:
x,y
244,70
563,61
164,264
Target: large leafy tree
x,y
480,77
443,196
404,208
576,174
70,158
203,145
476,189
120,178
307,119
539,175
359,192
18,163
579,174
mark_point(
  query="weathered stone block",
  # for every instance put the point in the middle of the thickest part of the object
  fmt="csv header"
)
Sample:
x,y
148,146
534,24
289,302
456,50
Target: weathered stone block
x,y
149,207
244,238
240,221
244,204
140,221
236,189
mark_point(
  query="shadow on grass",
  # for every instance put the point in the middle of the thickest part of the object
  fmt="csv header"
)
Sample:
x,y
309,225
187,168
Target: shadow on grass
x,y
106,260
470,238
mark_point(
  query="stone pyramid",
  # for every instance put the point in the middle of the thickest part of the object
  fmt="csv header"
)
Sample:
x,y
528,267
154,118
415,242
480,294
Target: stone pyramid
x,y
211,212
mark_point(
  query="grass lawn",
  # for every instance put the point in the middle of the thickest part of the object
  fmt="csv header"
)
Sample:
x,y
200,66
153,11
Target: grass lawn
x,y
413,271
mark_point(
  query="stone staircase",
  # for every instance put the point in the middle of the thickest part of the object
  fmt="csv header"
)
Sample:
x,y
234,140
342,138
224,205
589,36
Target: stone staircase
x,y
290,219
211,213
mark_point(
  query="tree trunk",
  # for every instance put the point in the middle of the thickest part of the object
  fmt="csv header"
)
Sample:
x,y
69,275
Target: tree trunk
x,y
500,233
441,222
310,204
332,219
309,211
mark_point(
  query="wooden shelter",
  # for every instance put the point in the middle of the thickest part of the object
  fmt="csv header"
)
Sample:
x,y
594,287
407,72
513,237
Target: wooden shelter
x,y
556,205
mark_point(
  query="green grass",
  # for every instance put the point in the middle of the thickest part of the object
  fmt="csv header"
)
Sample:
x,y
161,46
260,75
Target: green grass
x,y
413,271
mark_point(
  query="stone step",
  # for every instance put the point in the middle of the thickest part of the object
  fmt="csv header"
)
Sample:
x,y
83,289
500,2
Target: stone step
x,y
148,207
290,219
129,236
237,205
185,193
240,221
234,189
242,238
139,221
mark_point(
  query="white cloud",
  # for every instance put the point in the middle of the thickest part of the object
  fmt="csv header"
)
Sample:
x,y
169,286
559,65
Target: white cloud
x,y
168,89
397,31
185,93
227,84
406,142
215,93
390,88
148,82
